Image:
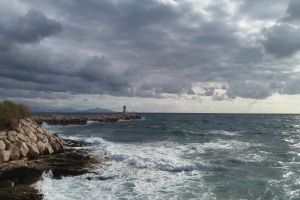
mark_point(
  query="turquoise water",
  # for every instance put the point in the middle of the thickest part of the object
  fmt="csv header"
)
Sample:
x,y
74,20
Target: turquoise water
x,y
187,156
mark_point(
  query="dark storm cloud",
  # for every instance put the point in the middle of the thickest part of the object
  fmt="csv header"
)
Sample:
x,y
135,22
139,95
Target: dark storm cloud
x,y
145,48
293,11
29,28
283,40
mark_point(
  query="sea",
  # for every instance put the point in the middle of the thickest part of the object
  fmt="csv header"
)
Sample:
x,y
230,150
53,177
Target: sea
x,y
186,156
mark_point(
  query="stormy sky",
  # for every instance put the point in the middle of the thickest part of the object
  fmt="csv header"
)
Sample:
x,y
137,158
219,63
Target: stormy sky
x,y
152,55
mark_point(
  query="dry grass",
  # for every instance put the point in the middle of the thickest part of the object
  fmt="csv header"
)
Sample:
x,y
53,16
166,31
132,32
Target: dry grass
x,y
11,113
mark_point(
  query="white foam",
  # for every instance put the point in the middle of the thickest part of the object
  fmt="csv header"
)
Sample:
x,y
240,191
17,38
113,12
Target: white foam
x,y
214,132
141,171
92,122
158,170
222,132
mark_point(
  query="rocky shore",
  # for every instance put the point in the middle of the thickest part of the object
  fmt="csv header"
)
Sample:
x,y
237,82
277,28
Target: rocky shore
x,y
83,119
29,150
28,139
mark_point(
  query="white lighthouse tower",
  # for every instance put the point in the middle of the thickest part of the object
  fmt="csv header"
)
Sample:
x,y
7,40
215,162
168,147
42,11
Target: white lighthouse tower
x,y
124,109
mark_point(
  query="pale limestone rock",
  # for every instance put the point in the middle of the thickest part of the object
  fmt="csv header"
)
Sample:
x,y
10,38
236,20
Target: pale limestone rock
x,y
54,146
33,150
2,145
32,130
7,143
23,149
22,137
2,135
48,149
23,122
32,136
42,138
20,130
4,156
41,146
12,138
12,133
39,130
13,152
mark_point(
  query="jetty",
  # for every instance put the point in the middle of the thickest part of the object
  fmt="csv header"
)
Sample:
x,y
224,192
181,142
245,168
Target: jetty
x,y
82,119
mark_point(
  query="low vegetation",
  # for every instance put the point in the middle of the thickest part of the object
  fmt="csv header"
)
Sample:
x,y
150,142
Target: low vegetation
x,y
11,113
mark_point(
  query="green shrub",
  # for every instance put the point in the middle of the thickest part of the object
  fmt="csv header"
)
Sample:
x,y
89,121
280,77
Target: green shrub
x,y
11,113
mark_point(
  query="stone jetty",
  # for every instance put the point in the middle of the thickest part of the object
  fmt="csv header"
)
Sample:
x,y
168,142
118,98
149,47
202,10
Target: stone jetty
x,y
83,119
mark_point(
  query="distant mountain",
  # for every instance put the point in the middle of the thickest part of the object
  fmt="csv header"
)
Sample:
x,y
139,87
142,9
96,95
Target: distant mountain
x,y
97,110
39,109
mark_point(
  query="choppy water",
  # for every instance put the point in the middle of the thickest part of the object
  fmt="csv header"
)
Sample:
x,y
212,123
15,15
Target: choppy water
x,y
188,156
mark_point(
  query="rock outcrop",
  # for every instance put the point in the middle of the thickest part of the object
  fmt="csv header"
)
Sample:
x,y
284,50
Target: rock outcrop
x,y
28,140
17,177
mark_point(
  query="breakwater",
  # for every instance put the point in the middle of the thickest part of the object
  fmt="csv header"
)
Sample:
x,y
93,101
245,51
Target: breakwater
x,y
82,119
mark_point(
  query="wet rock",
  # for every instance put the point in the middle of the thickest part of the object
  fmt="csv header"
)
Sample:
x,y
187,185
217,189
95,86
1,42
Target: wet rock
x,y
48,149
17,176
56,146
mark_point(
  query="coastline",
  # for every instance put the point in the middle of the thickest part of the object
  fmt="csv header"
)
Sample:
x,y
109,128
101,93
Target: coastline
x,y
20,170
18,177
64,120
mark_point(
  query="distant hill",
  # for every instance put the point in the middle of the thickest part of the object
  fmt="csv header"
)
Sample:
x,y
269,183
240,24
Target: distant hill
x,y
97,110
36,109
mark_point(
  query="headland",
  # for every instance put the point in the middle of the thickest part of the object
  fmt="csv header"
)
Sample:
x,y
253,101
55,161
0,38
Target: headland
x,y
29,150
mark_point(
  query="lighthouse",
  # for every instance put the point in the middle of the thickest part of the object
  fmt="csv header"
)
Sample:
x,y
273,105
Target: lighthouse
x,y
124,109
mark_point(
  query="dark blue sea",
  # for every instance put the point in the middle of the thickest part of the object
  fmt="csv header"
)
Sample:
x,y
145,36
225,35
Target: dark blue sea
x,y
186,156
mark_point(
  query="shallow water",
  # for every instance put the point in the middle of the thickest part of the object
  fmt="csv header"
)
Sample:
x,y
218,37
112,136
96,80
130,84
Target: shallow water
x,y
187,156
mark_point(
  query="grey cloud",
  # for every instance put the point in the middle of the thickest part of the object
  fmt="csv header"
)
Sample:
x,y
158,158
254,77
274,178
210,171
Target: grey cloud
x,y
250,89
143,48
32,27
293,11
263,9
282,40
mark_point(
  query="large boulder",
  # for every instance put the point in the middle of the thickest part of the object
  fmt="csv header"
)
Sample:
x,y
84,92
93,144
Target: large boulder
x,y
48,149
2,145
33,150
13,133
57,147
14,153
7,143
23,149
4,156
41,146
22,137
12,136
42,138
31,136
2,135
39,130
